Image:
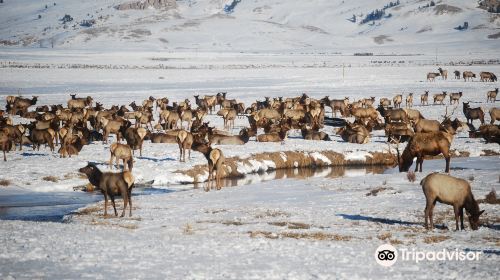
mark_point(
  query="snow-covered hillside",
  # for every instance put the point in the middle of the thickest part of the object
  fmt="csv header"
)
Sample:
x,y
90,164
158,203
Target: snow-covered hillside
x,y
258,25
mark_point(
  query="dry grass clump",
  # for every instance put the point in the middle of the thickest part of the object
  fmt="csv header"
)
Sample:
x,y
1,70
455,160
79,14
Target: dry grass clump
x,y
273,214
375,191
53,179
291,225
384,236
4,182
491,198
188,229
435,239
411,176
315,236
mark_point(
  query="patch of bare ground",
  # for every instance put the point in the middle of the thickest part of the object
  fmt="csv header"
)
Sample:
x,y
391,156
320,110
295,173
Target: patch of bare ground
x,y
425,29
4,182
442,9
314,29
374,192
382,39
435,239
313,236
494,36
53,179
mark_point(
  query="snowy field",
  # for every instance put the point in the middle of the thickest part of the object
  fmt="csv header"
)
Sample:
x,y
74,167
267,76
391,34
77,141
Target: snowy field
x,y
321,227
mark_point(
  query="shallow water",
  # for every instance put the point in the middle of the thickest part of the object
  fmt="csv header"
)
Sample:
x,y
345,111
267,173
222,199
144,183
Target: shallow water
x,y
53,206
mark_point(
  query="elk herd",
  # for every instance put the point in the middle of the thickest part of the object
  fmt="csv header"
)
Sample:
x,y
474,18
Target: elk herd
x,y
466,75
183,123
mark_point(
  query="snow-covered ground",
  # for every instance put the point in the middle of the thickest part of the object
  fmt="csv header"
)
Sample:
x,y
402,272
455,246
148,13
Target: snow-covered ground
x,y
322,227
295,229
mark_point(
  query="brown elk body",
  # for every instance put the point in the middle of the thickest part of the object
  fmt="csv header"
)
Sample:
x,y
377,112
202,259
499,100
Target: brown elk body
x,y
111,184
397,100
424,98
491,95
185,141
455,97
468,75
431,77
494,115
215,159
240,139
425,144
472,114
439,97
121,151
452,191
487,77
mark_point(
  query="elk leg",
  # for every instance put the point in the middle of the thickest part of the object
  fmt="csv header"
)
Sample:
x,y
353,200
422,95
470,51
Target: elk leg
x,y
111,162
421,163
431,210
457,214
125,202
447,170
105,204
462,218
4,157
129,193
113,202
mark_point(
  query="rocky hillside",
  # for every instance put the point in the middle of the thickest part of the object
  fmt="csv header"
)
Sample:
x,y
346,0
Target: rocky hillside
x,y
411,26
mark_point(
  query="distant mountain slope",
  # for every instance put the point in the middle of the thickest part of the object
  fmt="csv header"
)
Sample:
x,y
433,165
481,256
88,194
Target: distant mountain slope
x,y
253,25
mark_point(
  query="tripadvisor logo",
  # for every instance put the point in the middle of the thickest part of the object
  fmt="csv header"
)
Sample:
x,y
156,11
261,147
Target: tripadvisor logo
x,y
387,255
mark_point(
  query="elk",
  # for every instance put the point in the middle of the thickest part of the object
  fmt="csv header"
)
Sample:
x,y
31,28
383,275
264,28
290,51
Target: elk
x,y
72,145
121,151
364,113
240,139
313,133
398,132
161,103
439,97
494,114
397,100
457,74
443,73
134,137
473,113
41,136
354,133
413,115
22,104
186,115
5,142
468,75
409,100
431,77
229,115
215,159
425,144
269,114
368,102
111,184
452,191
487,77
492,95
185,141
211,102
385,102
489,132
336,105
424,98
391,115
455,97
113,126
163,138
79,103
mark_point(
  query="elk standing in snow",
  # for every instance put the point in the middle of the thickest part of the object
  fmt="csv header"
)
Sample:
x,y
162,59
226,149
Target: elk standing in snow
x,y
452,191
